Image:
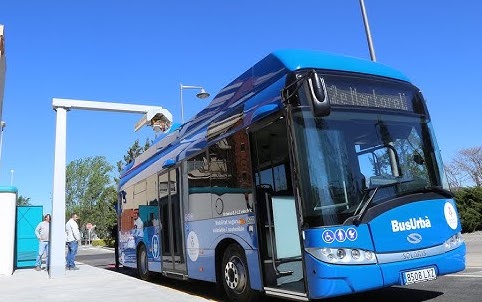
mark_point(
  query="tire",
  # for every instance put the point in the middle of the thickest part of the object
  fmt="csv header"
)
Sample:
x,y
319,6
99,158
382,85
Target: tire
x,y
143,264
235,275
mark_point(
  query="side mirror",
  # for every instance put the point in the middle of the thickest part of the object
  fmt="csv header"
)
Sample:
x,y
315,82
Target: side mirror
x,y
168,163
315,92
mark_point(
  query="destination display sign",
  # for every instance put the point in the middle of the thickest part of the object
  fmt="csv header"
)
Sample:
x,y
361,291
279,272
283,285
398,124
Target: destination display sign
x,y
386,95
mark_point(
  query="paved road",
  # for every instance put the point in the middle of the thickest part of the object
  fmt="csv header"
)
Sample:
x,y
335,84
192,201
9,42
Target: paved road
x,y
464,286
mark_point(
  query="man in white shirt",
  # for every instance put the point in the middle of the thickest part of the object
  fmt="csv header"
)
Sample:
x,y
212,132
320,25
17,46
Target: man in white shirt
x,y
42,232
73,238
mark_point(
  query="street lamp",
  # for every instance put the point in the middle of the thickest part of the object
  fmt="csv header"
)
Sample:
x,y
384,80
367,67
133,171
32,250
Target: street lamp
x,y
202,95
11,177
367,31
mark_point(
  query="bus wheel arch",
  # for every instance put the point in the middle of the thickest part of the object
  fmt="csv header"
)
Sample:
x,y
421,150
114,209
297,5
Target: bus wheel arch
x,y
232,272
142,263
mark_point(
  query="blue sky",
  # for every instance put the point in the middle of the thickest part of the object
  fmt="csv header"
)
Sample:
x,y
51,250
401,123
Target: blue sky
x,y
139,52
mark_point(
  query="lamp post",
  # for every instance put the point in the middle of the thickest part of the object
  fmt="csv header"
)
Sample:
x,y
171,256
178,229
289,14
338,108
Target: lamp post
x,y
202,94
367,31
11,177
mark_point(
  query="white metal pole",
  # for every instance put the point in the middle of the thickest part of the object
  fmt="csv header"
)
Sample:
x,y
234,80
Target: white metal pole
x,y
57,224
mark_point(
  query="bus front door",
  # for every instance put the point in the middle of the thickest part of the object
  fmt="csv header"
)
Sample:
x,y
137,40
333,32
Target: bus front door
x,y
276,211
173,260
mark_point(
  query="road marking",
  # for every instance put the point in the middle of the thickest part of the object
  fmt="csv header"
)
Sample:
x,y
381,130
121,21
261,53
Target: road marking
x,y
468,275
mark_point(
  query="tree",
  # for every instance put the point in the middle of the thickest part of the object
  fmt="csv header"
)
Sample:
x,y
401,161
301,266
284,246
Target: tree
x,y
454,177
469,204
468,163
91,194
105,211
23,201
134,151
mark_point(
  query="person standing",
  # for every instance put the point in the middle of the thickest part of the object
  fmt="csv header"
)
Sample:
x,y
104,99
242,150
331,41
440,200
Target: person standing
x,y
42,232
115,236
73,238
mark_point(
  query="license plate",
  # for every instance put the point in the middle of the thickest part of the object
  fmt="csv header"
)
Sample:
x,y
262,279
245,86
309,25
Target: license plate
x,y
420,275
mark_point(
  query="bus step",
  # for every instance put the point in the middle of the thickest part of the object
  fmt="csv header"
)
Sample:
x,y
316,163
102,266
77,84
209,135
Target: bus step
x,y
175,275
286,294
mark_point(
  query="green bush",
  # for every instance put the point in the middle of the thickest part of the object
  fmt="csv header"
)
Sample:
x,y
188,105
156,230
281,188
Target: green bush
x,y
98,242
110,243
103,242
469,204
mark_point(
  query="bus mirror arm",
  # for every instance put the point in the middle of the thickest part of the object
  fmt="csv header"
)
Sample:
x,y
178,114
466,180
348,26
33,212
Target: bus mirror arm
x,y
313,89
315,92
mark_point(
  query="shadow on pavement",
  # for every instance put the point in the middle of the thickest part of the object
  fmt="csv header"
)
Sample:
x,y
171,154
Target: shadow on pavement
x,y
389,294
209,290
202,289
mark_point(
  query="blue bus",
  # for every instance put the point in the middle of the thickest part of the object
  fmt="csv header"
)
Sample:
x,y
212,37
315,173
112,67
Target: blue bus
x,y
311,175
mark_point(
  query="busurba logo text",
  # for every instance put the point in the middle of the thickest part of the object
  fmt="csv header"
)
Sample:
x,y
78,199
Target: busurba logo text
x,y
411,224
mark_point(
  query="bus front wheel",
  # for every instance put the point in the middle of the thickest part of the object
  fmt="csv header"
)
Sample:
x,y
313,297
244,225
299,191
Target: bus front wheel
x,y
235,276
142,263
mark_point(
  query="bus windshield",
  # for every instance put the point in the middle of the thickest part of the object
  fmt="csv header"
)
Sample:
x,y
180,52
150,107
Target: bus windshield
x,y
342,157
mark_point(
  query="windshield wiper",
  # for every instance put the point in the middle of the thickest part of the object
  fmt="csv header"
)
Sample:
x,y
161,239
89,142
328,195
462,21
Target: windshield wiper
x,y
358,219
363,210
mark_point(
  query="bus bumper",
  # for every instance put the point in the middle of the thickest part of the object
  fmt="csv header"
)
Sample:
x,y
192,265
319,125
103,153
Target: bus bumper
x,y
328,280
447,263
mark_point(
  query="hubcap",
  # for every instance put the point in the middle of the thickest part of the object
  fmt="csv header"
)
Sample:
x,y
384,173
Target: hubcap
x,y
234,275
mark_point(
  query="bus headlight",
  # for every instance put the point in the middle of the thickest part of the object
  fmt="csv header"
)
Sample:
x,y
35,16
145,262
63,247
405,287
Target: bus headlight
x,y
343,255
326,251
453,242
355,254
